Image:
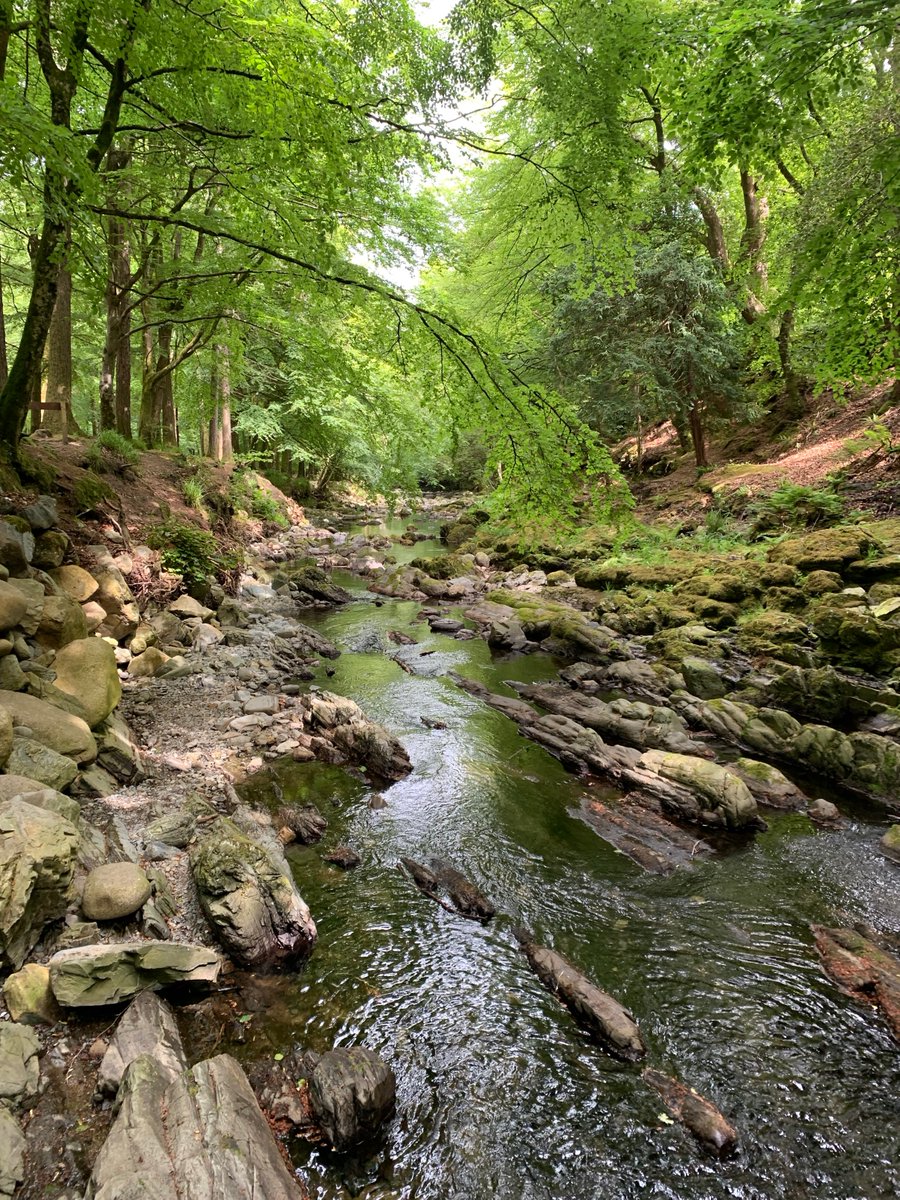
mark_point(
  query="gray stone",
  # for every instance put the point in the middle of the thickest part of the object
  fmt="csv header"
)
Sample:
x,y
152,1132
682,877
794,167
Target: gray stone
x,y
50,549
92,976
43,514
114,890
42,764
62,622
32,593
702,679
117,751
29,997
249,896
720,791
32,791
13,606
16,548
19,1073
187,606
12,677
86,669
199,1135
352,1092
146,665
12,1153
173,829
60,731
147,1027
262,704
38,856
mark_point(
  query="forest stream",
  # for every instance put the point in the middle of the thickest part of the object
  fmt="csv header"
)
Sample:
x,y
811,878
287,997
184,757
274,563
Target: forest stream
x,y
499,1093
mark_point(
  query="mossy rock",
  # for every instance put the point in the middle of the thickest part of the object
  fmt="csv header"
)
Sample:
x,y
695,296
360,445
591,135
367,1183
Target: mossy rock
x,y
771,633
727,589
853,635
785,599
673,646
446,566
823,550
821,583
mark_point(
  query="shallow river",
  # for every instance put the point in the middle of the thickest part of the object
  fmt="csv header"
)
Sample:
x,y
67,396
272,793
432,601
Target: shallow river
x,y
499,1094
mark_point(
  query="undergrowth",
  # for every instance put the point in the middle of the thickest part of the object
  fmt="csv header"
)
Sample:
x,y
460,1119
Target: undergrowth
x,y
195,554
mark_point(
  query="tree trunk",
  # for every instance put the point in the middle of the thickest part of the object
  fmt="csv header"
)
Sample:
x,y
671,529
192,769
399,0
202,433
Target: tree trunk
x,y
716,246
4,361
756,210
149,420
788,374
225,454
25,372
115,370
698,437
163,386
123,369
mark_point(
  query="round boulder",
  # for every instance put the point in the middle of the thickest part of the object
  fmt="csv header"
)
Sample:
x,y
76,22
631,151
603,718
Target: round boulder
x,y
114,890
352,1092
86,669
77,583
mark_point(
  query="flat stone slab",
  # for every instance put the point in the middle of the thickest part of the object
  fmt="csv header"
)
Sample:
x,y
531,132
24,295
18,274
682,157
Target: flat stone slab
x,y
91,976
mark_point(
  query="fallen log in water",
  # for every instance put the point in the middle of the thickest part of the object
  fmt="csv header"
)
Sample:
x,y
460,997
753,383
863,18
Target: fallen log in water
x,y
601,1014
862,969
467,899
696,1114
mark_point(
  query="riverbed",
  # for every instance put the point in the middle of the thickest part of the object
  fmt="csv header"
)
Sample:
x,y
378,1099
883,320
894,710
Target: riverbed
x,y
499,1093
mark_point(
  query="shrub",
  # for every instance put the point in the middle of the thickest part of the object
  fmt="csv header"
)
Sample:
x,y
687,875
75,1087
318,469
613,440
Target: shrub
x,y
192,491
111,452
794,505
193,553
247,495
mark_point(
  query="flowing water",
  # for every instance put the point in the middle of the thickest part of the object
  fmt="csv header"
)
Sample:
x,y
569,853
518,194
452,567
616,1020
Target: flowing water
x,y
499,1093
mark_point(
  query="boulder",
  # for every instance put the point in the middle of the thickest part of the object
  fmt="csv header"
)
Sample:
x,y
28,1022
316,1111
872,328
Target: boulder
x,y
94,616
249,896
86,669
116,599
29,997
50,549
363,742
702,679
352,1092
441,878
823,550
19,1072
768,784
725,798
12,677
199,1135
38,857
602,1015
78,584
62,621
186,606
61,731
13,606
117,751
696,1113
32,791
16,548
114,890
93,976
147,1027
32,592
12,1153
42,514
145,665
40,763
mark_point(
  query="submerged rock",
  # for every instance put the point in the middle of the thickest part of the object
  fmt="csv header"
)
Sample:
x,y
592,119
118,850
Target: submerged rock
x,y
352,1092
723,796
249,897
862,969
695,1113
361,740
603,1016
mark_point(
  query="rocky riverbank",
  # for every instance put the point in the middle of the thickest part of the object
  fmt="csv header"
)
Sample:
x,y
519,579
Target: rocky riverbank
x,y
144,827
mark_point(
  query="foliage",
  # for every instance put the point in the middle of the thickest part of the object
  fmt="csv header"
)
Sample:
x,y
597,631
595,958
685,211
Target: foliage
x,y
794,505
193,553
192,491
248,495
110,451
